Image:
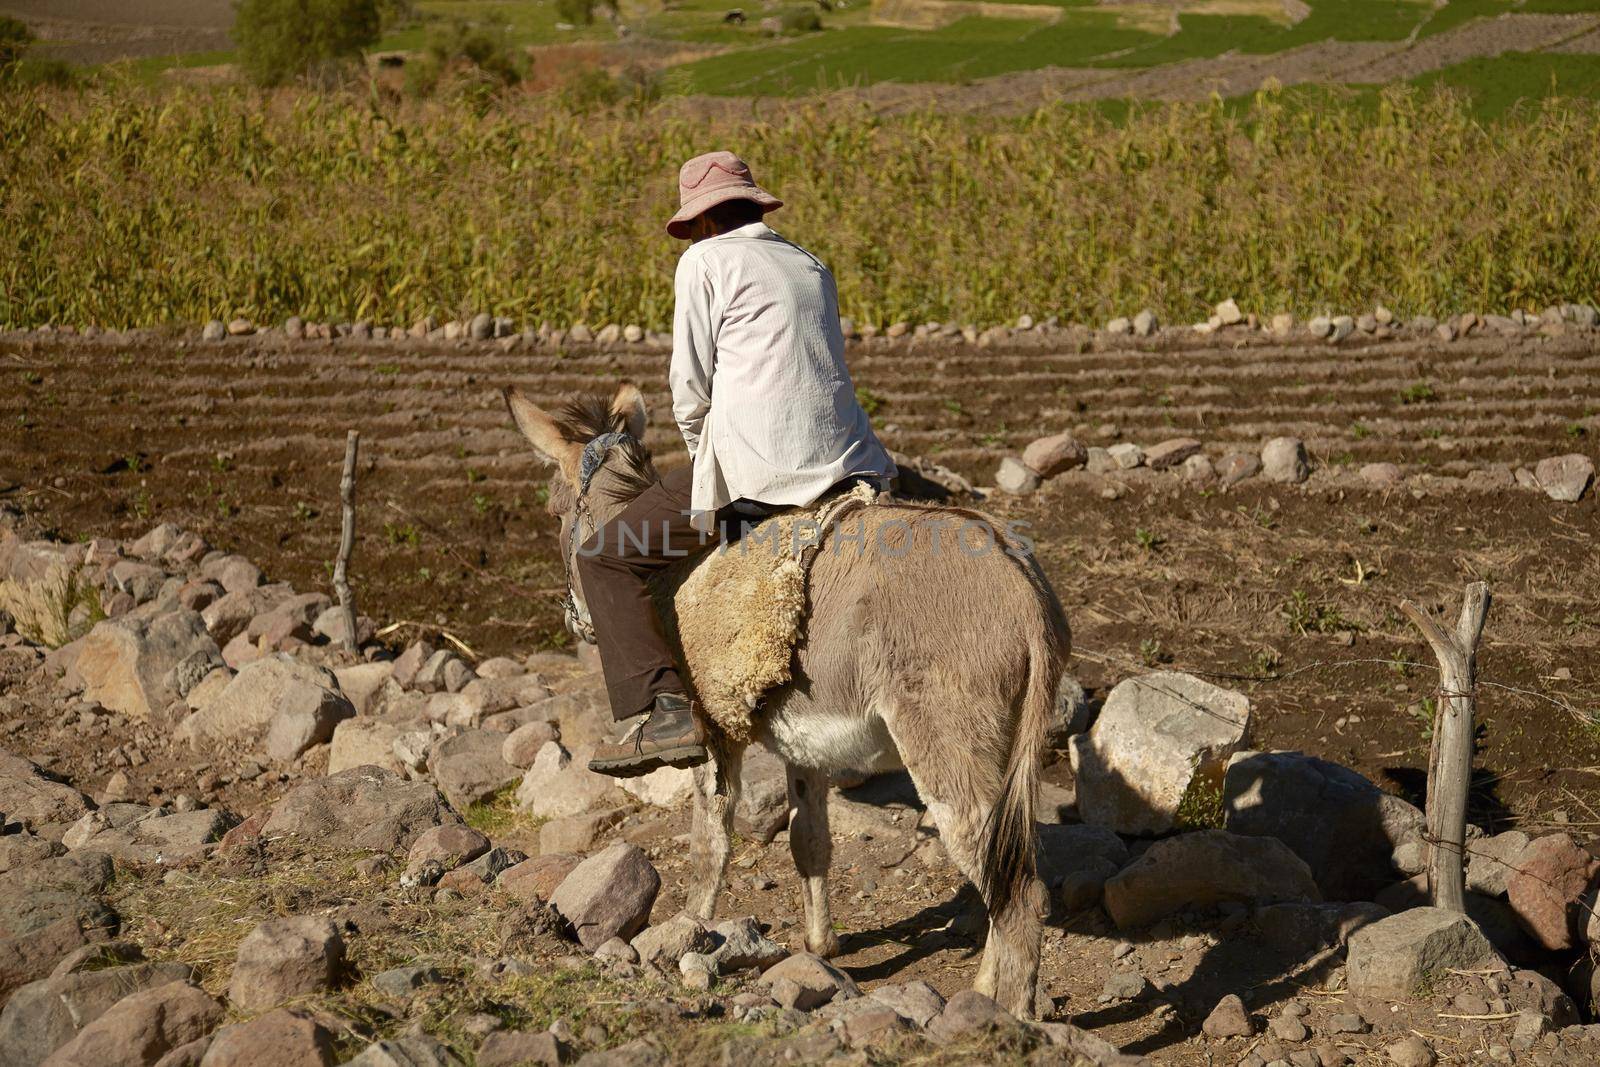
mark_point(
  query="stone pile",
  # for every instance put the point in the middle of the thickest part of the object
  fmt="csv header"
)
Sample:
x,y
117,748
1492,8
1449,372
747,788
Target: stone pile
x,y
382,757
1281,460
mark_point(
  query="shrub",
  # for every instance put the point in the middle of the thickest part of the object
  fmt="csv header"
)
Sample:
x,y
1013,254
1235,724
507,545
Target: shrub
x,y
480,56
395,13
633,87
280,40
55,610
794,21
15,37
576,12
45,71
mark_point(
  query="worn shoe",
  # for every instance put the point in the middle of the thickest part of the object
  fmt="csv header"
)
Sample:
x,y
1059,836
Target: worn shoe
x,y
669,736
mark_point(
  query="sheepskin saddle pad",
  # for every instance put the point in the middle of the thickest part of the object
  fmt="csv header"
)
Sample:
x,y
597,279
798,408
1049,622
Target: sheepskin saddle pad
x,y
737,611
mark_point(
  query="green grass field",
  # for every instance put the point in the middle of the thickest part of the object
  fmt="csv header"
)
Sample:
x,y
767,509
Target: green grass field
x,y
863,42
1499,84
1085,36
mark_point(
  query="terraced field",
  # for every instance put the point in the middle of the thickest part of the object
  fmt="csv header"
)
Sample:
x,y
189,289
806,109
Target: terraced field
x,y
1292,590
952,54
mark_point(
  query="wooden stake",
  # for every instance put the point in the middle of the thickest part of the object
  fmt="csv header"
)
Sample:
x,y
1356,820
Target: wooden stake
x,y
347,539
1450,756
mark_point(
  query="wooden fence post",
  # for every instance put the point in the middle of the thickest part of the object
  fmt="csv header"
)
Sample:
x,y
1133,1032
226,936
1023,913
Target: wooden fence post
x,y
1450,757
347,540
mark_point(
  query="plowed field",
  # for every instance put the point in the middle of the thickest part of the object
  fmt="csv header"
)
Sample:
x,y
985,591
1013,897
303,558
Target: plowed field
x,y
1287,592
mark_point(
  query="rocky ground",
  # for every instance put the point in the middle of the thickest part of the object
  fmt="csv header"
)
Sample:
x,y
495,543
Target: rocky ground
x,y
229,839
301,854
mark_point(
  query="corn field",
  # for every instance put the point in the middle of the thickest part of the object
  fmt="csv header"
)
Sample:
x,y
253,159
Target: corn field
x,y
127,206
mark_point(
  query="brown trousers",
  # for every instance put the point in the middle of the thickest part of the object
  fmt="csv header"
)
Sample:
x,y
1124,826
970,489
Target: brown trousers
x,y
615,566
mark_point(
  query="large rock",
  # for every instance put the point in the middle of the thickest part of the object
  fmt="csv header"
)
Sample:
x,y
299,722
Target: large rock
x,y
537,879
917,1002
282,1038
521,746
608,895
361,808
666,787
1065,848
1202,869
80,872
763,807
1171,453
661,946
1228,1019
449,846
1565,478
468,768
741,944
230,615
1389,958
493,695
806,981
38,802
50,910
577,833
1016,477
1283,459
1495,918
581,710
1154,736
25,849
1071,714
141,1028
42,1016
294,704
561,783
411,1049
1343,826
1555,875
141,581
1300,929
1491,861
1049,456
359,742
361,682
286,958
126,663
158,836
43,927
967,1012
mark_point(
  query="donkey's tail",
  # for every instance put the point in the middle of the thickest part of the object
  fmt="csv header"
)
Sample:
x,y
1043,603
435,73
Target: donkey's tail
x,y
1008,863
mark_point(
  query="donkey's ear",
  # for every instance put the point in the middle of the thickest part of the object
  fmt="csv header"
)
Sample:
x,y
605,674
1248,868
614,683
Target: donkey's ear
x,y
542,432
627,410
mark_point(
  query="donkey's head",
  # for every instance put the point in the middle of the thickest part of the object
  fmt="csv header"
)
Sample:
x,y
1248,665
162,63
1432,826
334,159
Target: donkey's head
x,y
596,444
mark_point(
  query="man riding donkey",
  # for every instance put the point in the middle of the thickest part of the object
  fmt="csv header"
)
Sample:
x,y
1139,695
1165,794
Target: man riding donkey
x,y
762,396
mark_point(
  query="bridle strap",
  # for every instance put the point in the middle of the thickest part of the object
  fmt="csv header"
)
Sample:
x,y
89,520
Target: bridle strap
x,y
589,464
594,455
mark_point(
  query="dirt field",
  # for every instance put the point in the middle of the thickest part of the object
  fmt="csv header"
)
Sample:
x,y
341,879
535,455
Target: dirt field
x,y
241,441
1287,593
98,31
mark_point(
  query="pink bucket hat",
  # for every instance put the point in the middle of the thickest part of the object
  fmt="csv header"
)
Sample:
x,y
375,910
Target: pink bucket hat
x,y
708,180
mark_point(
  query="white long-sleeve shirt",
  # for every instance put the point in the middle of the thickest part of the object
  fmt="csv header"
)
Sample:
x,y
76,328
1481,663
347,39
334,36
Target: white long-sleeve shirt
x,y
760,389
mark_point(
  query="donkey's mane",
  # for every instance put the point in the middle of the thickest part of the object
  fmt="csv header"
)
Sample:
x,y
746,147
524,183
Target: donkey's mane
x,y
581,419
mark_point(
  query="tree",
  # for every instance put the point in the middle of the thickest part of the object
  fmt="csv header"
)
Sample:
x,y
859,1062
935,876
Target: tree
x,y
284,39
14,40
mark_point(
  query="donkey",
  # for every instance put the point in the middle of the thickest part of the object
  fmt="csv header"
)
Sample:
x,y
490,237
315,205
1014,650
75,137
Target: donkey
x,y
943,662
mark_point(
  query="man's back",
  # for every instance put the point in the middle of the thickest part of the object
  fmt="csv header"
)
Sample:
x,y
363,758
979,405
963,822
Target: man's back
x,y
759,317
